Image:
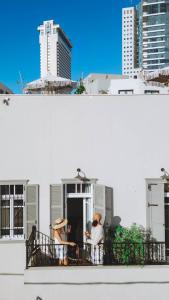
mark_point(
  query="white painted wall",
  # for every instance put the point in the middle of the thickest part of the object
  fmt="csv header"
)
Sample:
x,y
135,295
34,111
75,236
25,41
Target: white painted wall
x,y
117,85
121,140
87,283
12,257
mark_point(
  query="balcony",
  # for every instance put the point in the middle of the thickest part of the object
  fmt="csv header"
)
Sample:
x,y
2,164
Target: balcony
x,y
42,251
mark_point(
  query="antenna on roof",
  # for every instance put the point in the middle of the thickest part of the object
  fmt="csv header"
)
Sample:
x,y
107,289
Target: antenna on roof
x,y
20,82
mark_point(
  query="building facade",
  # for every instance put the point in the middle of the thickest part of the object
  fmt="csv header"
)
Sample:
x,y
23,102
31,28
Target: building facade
x,y
121,141
100,84
55,51
151,35
129,46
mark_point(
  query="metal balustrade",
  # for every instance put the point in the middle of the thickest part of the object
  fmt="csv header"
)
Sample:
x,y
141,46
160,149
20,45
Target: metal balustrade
x,y
41,250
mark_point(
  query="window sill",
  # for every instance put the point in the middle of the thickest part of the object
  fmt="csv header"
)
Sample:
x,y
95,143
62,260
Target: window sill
x,y
9,241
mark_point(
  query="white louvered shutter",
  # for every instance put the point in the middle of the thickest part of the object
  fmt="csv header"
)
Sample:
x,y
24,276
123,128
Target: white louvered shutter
x,y
109,206
56,202
99,200
0,213
32,208
155,210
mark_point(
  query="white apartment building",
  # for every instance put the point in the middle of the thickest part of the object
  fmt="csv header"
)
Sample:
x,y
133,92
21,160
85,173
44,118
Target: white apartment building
x,y
55,51
155,33
100,84
128,41
121,141
147,25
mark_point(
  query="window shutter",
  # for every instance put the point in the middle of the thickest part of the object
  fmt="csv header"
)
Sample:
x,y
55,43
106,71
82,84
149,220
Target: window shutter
x,y
0,212
32,208
56,202
99,200
109,206
155,210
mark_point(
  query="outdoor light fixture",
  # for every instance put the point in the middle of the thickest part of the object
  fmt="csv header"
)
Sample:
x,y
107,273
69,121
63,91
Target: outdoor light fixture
x,y
6,101
165,174
82,178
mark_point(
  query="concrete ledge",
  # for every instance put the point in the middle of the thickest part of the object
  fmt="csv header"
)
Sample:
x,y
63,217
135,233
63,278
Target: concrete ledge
x,y
97,275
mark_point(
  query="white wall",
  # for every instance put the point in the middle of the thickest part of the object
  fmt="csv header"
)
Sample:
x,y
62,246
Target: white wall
x,y
12,257
120,140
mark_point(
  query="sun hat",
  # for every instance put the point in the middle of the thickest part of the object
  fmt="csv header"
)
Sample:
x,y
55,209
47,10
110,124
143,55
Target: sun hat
x,y
59,223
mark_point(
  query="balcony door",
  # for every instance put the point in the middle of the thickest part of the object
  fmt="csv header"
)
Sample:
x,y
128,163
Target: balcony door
x,y
78,210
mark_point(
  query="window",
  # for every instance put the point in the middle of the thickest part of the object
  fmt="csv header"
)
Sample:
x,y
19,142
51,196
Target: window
x,y
125,92
148,92
19,209
70,188
12,203
79,188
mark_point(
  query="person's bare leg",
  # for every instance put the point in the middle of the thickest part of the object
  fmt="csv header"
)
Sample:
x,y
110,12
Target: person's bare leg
x,y
61,262
65,261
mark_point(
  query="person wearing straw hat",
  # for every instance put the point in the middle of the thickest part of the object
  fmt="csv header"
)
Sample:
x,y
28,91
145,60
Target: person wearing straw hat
x,y
60,243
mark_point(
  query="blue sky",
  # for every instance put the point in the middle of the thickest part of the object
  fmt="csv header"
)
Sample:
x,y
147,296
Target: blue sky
x,y
93,26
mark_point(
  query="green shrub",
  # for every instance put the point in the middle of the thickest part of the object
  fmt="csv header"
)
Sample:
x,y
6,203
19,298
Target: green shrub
x,y
128,244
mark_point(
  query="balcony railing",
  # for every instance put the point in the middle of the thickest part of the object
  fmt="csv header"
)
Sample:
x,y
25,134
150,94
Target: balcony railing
x,y
42,251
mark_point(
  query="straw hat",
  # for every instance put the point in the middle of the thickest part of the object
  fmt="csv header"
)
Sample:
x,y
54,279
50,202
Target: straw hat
x,y
59,223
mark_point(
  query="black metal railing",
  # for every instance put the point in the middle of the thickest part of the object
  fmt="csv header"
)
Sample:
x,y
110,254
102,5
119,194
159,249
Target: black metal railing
x,y
41,250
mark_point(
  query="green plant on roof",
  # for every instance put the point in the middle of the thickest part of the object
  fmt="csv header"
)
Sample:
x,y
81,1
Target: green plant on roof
x,y
80,89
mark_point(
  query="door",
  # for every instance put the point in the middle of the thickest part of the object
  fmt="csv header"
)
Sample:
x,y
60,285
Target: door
x,y
79,213
75,219
166,187
87,216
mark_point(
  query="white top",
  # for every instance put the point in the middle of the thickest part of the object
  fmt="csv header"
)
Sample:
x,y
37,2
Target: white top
x,y
97,235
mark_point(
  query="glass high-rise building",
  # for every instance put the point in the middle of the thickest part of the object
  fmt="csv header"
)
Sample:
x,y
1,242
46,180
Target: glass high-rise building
x,y
152,38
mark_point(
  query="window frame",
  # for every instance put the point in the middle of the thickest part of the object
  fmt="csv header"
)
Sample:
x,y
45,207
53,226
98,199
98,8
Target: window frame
x,y
11,235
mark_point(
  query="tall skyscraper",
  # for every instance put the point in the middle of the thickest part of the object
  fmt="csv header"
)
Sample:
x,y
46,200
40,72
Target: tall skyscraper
x,y
55,51
155,24
129,46
150,34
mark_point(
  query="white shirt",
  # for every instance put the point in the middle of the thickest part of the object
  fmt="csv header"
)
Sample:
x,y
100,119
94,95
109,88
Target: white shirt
x,y
97,235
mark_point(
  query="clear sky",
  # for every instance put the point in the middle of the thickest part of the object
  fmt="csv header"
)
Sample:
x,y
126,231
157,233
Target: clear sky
x,y
94,27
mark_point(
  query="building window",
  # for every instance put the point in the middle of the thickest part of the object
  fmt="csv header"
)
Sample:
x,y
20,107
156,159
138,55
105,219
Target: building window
x,y
12,203
79,188
150,92
125,92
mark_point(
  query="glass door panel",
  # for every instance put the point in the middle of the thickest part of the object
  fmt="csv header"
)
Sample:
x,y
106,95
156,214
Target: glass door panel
x,y
87,215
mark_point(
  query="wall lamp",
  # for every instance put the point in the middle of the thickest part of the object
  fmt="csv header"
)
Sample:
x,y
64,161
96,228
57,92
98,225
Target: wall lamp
x,y
6,101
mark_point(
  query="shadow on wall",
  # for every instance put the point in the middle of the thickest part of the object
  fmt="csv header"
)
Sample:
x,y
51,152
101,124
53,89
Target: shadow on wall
x,y
116,221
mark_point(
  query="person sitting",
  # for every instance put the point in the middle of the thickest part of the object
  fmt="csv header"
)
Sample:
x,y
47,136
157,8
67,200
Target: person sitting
x,y
60,243
95,238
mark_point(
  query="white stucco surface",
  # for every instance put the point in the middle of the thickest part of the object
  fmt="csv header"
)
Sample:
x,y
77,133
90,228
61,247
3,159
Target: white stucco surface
x,y
121,140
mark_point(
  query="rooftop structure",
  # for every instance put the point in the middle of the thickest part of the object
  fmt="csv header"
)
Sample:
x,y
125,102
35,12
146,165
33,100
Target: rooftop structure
x,y
161,76
120,84
4,89
50,85
136,87
96,83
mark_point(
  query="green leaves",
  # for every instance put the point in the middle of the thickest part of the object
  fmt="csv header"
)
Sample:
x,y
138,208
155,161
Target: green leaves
x,y
128,244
